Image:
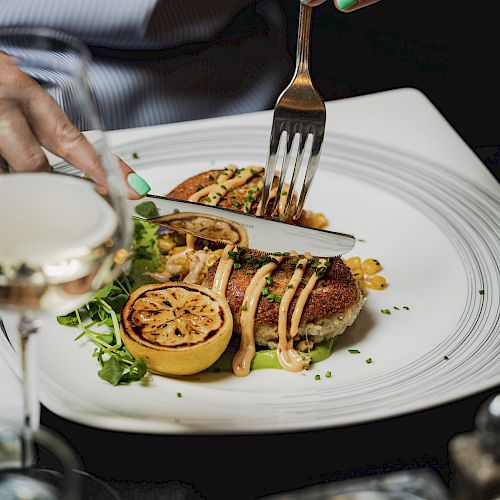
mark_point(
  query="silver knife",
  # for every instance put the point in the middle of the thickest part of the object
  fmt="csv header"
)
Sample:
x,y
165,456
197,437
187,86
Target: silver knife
x,y
231,227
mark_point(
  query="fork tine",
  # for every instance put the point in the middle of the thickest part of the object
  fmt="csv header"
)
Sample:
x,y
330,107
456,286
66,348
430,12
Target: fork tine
x,y
312,166
274,143
284,167
296,169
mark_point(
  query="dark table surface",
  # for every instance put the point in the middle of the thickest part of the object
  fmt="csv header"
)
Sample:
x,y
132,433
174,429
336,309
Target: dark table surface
x,y
141,466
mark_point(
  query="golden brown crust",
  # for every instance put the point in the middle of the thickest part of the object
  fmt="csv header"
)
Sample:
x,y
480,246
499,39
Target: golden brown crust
x,y
190,186
333,294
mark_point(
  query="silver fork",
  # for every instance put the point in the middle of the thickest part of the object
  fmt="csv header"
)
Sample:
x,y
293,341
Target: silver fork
x,y
299,110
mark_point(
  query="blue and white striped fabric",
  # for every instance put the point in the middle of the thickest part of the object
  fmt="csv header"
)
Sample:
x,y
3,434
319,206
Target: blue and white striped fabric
x,y
161,61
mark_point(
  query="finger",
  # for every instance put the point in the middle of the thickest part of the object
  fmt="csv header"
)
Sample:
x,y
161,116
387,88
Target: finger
x,y
137,186
18,145
352,5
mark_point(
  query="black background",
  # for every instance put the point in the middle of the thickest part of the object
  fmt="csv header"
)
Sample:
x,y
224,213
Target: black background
x,y
446,49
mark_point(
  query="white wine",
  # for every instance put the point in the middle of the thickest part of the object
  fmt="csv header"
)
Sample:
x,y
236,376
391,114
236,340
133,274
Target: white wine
x,y
58,240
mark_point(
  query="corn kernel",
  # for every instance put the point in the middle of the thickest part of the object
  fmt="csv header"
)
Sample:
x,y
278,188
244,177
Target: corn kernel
x,y
371,266
353,263
177,250
358,274
375,282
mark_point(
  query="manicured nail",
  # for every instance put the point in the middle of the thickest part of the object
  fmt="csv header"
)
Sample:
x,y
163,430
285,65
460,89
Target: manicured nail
x,y
346,4
138,184
305,2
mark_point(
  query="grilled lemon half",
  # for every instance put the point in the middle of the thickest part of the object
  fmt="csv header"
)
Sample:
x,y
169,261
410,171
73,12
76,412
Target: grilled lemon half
x,y
176,328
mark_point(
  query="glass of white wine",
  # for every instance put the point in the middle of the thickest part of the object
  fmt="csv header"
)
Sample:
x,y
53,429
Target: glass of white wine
x,y
62,233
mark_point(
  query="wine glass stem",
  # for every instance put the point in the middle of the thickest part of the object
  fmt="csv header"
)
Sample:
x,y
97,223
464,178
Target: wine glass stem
x,y
28,327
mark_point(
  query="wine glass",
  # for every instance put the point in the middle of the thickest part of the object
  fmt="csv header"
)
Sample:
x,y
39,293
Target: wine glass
x,y
63,233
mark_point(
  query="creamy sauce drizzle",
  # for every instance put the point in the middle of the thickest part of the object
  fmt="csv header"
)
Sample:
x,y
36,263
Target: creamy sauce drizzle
x,y
223,272
301,302
246,352
288,357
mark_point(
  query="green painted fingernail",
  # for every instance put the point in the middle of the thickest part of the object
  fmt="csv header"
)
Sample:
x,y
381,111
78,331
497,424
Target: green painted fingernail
x,y
138,184
305,2
346,4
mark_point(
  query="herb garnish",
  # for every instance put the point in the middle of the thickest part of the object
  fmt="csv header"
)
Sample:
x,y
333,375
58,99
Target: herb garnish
x,y
135,155
147,209
369,361
354,351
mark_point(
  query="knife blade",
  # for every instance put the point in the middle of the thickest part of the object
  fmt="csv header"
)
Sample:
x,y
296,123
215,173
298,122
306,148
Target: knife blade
x,y
229,226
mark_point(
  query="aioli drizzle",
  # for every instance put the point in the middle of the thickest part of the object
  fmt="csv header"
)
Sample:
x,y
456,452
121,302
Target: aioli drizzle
x,y
288,357
223,272
246,352
301,302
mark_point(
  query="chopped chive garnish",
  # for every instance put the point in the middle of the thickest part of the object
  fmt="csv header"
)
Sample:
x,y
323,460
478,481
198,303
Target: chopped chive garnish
x,y
354,351
250,271
269,280
328,374
385,311
265,291
284,193
395,307
369,361
360,240
179,394
406,307
288,286
270,297
207,199
446,358
236,203
211,177
199,187
317,377
299,266
303,281
481,292
206,243
244,307
135,155
176,210
237,265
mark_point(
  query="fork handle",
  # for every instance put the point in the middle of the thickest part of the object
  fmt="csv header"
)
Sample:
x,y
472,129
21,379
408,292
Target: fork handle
x,y
303,37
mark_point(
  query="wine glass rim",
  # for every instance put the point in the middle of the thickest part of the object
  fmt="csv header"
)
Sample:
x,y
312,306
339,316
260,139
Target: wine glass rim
x,y
56,34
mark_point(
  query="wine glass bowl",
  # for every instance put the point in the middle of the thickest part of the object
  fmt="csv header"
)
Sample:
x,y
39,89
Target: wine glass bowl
x,y
63,233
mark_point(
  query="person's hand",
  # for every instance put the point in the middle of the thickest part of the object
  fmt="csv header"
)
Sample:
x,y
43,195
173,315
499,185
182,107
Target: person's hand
x,y
39,121
342,5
